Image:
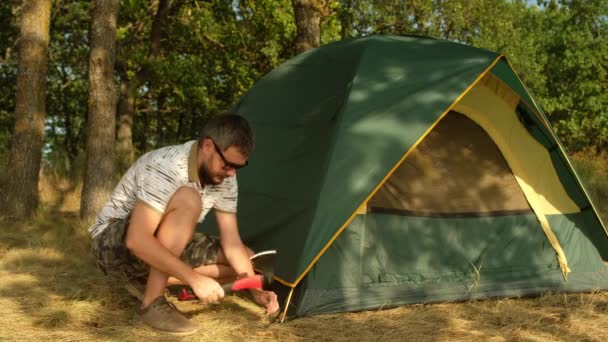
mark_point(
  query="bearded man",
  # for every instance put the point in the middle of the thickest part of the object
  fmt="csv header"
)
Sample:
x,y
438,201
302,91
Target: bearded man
x,y
147,229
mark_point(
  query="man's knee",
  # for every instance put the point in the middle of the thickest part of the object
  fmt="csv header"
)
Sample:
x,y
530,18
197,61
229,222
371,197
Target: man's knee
x,y
179,221
187,202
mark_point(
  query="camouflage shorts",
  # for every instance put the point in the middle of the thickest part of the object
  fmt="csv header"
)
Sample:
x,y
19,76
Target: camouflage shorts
x,y
112,255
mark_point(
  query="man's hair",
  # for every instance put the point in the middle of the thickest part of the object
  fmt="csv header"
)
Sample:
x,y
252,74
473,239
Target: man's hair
x,y
230,129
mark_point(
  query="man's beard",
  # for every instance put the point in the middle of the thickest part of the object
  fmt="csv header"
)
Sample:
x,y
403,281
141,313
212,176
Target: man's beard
x,y
205,176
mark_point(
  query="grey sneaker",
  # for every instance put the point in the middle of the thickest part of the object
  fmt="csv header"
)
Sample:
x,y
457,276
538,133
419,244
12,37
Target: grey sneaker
x,y
164,316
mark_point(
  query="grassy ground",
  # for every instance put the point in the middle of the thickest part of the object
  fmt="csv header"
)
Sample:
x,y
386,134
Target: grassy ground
x,y
51,290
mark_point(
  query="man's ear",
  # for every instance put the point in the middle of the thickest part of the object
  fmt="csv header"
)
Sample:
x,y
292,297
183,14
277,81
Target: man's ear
x,y
205,144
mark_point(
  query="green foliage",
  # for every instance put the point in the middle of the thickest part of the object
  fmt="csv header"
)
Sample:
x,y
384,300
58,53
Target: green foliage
x,y
331,25
576,88
516,36
67,85
9,31
212,52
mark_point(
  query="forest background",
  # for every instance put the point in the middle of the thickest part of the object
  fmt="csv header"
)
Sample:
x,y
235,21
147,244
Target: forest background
x,y
75,75
176,63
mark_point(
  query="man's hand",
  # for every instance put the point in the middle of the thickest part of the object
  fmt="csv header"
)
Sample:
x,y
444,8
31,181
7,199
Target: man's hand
x,y
207,289
266,299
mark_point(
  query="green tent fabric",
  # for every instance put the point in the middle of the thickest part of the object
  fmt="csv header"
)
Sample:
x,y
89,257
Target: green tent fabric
x,y
333,128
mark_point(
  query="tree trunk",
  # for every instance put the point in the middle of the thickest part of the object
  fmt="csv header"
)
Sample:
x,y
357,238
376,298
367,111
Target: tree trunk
x,y
21,184
98,181
308,23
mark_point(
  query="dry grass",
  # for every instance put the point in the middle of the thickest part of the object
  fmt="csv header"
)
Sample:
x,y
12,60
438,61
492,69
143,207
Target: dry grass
x,y
50,290
592,166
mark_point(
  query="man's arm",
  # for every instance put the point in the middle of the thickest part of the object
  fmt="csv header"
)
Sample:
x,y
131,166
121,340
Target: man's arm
x,y
232,245
141,241
236,254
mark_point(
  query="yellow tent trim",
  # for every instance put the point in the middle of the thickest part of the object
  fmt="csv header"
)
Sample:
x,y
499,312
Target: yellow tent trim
x,y
284,282
536,110
388,175
561,256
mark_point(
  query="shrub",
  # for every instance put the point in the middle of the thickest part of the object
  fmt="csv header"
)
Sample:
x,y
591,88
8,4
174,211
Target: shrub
x,y
591,165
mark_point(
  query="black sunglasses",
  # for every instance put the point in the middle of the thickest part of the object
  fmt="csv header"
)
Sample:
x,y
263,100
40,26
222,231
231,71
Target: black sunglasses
x,y
227,164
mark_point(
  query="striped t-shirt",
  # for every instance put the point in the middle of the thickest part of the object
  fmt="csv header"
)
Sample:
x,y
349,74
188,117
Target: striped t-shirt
x,y
155,177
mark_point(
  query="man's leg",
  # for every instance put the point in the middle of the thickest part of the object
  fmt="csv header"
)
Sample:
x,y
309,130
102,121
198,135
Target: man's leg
x,y
174,232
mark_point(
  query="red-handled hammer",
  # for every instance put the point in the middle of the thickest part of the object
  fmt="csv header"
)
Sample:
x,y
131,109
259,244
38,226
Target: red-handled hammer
x,y
263,263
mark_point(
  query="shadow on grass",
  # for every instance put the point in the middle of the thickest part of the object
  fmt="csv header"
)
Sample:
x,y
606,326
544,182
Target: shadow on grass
x,y
48,272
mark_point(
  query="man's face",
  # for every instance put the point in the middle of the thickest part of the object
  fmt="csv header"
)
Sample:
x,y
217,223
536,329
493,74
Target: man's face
x,y
220,163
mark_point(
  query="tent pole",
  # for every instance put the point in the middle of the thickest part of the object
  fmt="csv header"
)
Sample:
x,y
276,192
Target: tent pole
x,y
287,305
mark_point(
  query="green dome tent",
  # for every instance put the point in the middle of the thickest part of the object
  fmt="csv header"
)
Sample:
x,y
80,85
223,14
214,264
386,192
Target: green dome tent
x,y
393,170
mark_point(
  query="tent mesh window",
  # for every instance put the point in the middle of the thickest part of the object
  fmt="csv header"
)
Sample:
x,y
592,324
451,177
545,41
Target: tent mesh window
x,y
457,170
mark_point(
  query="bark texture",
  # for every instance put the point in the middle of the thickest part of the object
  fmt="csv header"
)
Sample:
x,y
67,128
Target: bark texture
x,y
308,23
99,174
21,183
